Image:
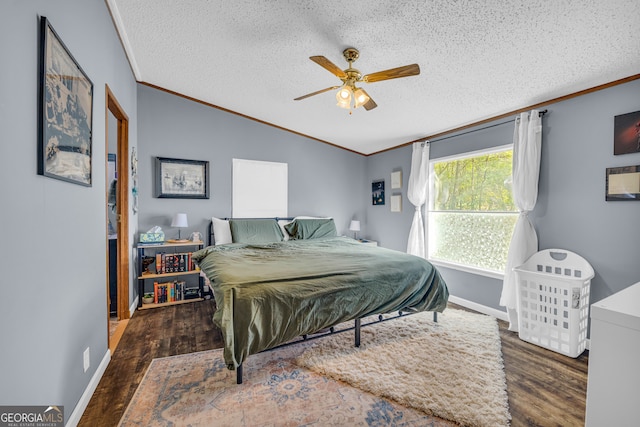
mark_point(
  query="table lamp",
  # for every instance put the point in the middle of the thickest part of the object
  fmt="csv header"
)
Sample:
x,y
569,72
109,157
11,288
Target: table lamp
x,y
180,221
355,227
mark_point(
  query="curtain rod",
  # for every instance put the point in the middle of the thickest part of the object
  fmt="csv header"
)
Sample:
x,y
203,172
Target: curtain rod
x,y
424,141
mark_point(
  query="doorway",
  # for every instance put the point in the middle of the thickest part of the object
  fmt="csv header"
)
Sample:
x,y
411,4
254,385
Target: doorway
x,y
117,227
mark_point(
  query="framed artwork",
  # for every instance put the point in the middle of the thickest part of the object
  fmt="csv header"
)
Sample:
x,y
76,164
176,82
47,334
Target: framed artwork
x,y
181,179
626,133
396,203
65,112
396,179
259,189
377,192
623,183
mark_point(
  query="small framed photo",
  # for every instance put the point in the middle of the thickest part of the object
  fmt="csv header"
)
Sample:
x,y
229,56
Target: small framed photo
x,y
181,179
65,96
623,183
396,180
396,203
377,192
626,133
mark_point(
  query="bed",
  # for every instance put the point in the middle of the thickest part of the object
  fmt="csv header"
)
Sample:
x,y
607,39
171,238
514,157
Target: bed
x,y
270,289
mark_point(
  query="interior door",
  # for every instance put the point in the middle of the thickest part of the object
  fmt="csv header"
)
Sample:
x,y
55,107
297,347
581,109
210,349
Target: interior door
x,y
120,214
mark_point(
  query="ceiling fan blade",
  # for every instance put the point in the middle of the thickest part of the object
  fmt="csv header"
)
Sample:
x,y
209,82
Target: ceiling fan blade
x,y
328,65
393,73
316,93
370,104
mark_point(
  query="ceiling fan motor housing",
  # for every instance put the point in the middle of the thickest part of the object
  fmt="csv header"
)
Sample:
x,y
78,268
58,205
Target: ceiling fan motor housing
x,y
351,54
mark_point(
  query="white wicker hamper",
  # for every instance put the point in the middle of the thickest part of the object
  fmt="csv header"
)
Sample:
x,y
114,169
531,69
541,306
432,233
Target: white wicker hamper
x,y
553,300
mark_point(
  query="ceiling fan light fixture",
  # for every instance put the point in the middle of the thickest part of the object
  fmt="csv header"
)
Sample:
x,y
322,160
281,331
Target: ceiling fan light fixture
x,y
360,97
343,96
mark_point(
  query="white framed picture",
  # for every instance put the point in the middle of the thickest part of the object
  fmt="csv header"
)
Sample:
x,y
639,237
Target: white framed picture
x,y
396,179
396,203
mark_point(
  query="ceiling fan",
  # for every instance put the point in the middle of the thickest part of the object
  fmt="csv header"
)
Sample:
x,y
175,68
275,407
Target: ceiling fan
x,y
349,94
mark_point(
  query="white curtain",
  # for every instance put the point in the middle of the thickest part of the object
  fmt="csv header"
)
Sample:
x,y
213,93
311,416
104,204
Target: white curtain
x,y
417,192
527,144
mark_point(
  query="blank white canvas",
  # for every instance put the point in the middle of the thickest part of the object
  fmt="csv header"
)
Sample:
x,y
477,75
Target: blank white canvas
x,y
260,189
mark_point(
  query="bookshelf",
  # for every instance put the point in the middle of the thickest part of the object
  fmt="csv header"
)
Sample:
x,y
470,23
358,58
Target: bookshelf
x,y
163,268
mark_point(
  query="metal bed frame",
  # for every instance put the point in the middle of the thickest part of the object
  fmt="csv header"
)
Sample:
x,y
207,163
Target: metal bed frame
x,y
325,332
331,331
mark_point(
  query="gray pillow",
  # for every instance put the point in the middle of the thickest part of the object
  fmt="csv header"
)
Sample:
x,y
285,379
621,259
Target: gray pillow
x,y
311,228
255,231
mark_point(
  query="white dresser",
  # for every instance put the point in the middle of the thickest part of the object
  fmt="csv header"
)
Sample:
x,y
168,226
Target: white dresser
x,y
613,388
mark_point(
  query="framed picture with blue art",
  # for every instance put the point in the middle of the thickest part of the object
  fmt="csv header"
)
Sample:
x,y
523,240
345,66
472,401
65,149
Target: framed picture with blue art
x,y
65,112
377,192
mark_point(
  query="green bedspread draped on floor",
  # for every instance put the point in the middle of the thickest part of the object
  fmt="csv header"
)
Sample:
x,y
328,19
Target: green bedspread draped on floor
x,y
269,294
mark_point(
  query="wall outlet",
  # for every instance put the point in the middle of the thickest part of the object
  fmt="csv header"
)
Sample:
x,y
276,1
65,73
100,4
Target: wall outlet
x,y
87,359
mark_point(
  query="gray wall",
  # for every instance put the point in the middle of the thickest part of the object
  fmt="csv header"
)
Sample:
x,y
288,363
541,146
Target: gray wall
x,y
323,180
390,229
54,243
53,283
571,212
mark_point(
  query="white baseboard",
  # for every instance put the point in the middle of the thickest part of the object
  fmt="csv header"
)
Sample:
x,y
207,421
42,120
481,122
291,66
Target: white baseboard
x,y
502,315
133,306
74,419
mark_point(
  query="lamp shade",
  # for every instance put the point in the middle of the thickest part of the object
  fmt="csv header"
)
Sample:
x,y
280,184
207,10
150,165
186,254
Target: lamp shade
x,y
180,220
343,96
361,97
354,226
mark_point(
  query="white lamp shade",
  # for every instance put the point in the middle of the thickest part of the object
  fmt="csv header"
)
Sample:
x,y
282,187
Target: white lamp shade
x,y
343,96
180,220
354,226
360,97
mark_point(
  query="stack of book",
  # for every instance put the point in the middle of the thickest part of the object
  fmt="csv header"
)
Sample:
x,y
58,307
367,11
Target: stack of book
x,y
171,291
174,263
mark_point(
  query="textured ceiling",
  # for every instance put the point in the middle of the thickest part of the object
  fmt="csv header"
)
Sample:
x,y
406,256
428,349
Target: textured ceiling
x,y
478,59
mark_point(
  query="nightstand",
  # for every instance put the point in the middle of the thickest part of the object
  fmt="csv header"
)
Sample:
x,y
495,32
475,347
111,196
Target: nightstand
x,y
170,260
368,242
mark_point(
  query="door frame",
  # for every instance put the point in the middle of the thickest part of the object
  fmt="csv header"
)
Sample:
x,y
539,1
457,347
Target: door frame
x,y
122,204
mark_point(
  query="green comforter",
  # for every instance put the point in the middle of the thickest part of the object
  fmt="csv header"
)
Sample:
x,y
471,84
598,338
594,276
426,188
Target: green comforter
x,y
269,294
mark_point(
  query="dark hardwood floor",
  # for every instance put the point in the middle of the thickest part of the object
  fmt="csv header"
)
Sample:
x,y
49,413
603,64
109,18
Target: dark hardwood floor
x,y
544,388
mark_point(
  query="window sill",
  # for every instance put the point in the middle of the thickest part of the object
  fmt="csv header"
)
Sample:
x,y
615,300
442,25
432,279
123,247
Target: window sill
x,y
467,269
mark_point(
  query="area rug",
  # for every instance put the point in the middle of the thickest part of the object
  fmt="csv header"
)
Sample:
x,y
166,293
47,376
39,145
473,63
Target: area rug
x,y
452,369
278,390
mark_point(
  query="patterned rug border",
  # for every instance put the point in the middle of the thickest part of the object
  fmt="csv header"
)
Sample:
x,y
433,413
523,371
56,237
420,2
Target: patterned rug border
x,y
266,375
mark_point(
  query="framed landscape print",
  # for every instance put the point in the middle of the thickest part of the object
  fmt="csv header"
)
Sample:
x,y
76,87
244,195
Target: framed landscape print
x,y
182,179
65,112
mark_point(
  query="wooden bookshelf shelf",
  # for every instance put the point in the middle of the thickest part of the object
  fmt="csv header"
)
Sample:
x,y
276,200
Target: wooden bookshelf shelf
x,y
165,304
179,273
177,261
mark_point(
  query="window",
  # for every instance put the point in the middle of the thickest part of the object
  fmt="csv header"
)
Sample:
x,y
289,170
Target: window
x,y
471,211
